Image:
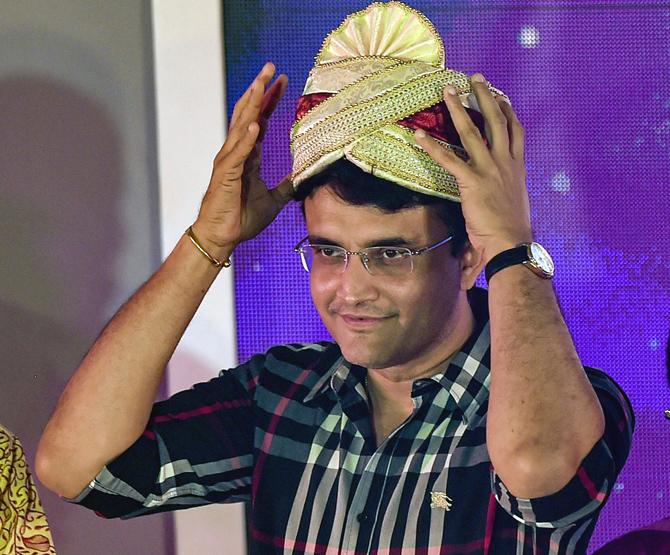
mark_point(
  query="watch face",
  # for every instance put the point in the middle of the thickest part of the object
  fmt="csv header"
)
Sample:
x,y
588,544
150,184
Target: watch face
x,y
542,259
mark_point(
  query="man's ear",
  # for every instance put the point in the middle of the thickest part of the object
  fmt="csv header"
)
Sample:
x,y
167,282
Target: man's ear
x,y
472,264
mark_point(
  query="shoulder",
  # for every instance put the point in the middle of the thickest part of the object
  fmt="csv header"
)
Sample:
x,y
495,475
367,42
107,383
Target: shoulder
x,y
605,385
290,358
289,364
297,354
618,411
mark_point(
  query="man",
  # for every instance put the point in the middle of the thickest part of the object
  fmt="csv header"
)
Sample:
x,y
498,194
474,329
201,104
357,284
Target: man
x,y
426,427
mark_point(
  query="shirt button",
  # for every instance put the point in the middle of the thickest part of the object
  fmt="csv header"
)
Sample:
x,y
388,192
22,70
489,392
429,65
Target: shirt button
x,y
362,517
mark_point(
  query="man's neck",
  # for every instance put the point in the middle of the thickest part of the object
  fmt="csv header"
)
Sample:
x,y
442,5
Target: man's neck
x,y
390,389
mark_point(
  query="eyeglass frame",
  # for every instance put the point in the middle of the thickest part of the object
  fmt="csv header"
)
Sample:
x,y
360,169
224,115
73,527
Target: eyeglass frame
x,y
363,254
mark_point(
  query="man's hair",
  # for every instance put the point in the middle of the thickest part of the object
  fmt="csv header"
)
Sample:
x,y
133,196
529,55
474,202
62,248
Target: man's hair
x,y
358,187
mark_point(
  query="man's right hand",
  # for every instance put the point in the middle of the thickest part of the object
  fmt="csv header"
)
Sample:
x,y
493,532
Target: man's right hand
x,y
107,402
237,205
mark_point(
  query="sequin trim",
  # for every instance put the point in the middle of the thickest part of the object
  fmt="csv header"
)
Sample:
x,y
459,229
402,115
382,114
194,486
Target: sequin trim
x,y
412,165
340,128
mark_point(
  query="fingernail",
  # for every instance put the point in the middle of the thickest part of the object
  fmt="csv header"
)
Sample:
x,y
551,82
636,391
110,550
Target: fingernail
x,y
451,90
479,78
420,134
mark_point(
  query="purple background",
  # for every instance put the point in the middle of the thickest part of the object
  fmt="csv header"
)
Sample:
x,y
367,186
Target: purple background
x,y
591,83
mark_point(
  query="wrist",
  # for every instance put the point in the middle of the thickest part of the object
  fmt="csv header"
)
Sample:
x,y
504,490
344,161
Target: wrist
x,y
217,256
494,248
217,250
531,255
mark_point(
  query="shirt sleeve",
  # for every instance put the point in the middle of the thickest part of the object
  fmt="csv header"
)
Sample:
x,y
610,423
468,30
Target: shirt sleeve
x,y
197,448
590,487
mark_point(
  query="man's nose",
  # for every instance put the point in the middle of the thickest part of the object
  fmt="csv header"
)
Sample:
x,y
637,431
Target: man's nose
x,y
355,283
362,260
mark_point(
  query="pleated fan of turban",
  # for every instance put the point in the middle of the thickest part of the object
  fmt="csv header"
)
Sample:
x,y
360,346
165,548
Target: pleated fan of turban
x,y
378,77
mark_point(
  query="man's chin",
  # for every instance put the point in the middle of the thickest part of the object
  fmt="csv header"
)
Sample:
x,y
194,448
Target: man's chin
x,y
365,348
362,356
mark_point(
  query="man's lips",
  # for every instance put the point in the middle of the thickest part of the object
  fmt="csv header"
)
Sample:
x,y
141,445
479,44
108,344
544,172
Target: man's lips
x,y
361,320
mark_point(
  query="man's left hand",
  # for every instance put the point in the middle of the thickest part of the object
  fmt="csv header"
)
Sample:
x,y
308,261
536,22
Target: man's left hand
x,y
492,183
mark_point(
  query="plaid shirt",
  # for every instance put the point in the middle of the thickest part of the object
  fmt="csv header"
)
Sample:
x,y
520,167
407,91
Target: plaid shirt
x,y
291,430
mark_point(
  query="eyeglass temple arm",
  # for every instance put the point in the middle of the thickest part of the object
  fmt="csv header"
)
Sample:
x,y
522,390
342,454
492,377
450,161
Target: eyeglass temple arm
x,y
431,247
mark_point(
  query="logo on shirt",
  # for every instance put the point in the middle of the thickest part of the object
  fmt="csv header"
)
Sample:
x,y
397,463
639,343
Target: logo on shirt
x,y
440,500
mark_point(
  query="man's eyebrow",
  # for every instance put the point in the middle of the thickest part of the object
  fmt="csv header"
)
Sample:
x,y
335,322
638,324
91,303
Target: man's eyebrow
x,y
384,242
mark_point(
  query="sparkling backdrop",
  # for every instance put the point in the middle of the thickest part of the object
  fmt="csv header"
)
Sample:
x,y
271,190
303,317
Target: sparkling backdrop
x,y
591,83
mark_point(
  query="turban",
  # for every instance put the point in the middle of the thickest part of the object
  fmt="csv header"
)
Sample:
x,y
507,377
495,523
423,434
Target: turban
x,y
379,76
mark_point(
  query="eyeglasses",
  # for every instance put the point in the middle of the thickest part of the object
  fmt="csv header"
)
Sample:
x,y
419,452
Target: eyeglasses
x,y
378,261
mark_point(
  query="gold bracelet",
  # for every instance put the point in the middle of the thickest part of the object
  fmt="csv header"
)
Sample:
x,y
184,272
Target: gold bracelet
x,y
215,262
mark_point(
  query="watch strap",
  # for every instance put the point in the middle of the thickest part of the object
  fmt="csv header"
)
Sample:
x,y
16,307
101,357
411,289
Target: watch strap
x,y
509,257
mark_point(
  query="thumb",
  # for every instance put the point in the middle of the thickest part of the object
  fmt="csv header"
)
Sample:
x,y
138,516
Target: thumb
x,y
283,192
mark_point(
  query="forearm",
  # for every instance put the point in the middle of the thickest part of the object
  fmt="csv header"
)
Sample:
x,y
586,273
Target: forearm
x,y
106,404
544,416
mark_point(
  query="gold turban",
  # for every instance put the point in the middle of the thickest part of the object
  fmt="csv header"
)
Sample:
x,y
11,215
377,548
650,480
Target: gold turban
x,y
375,75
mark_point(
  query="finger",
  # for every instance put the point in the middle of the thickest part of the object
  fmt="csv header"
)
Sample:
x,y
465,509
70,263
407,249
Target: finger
x,y
515,130
494,117
269,103
457,167
467,130
240,104
284,191
244,99
272,97
251,111
235,133
246,111
257,87
235,129
233,164
240,128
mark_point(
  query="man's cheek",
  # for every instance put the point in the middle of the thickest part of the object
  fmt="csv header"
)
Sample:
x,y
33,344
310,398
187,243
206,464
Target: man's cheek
x,y
322,291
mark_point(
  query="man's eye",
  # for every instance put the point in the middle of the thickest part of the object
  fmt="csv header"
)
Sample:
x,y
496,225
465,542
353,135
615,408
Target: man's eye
x,y
327,252
391,254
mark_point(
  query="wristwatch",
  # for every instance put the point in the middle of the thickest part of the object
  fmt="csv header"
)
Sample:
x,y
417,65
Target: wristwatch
x,y
532,255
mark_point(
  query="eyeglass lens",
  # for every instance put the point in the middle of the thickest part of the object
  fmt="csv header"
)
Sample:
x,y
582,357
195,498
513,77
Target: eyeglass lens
x,y
387,261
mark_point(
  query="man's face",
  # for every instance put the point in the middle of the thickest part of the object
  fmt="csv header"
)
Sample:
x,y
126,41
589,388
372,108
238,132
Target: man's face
x,y
385,322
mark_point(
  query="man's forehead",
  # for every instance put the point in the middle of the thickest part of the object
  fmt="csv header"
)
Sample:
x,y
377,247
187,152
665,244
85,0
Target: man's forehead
x,y
326,201
329,216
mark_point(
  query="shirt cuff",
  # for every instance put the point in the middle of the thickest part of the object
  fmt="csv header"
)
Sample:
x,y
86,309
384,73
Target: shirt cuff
x,y
584,494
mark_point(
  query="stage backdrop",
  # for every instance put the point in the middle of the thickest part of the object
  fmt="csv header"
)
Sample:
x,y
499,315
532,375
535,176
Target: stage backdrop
x,y
591,83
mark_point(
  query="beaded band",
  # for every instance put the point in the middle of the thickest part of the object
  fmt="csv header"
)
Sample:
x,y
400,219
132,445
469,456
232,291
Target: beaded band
x,y
215,262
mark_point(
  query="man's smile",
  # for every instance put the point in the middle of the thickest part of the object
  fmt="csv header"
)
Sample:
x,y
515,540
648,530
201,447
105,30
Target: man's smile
x,y
361,322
